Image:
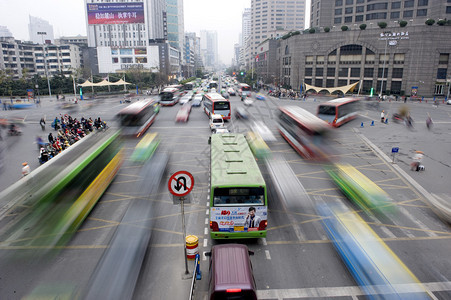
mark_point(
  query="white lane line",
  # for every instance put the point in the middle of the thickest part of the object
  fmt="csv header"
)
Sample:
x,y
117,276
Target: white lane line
x,y
264,242
347,291
268,256
205,230
206,221
205,243
207,212
204,257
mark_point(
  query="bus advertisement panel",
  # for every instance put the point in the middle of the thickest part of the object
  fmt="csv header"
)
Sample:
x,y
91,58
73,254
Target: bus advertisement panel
x,y
237,219
339,111
238,199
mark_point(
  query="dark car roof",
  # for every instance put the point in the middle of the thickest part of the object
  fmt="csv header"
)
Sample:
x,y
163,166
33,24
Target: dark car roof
x,y
233,268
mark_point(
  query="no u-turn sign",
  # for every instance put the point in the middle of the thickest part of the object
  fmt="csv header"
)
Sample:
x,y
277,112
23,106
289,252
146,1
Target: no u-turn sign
x,y
181,183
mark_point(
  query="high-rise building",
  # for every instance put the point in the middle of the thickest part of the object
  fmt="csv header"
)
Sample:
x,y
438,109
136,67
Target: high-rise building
x,y
209,49
271,16
4,32
349,12
125,34
175,23
40,31
246,25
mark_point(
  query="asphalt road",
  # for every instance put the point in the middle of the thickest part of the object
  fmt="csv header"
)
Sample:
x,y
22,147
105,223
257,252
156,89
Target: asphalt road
x,y
296,259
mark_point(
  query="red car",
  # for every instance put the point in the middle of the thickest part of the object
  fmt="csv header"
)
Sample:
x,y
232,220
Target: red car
x,y
183,113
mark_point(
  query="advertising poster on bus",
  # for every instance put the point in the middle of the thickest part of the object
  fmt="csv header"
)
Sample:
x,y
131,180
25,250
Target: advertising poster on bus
x,y
239,219
115,13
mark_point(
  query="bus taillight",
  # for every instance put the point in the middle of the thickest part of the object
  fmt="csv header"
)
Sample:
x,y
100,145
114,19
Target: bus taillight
x,y
233,290
214,226
262,225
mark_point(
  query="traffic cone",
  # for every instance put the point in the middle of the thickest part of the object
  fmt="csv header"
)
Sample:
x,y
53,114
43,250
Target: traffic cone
x,y
386,120
361,125
372,123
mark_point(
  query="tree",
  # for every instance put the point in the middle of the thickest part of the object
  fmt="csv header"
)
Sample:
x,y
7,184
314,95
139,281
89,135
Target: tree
x,y
312,30
344,28
382,24
402,23
430,22
362,26
326,29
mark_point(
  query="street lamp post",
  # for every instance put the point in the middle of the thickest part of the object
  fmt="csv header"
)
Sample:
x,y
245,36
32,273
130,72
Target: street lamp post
x,y
42,33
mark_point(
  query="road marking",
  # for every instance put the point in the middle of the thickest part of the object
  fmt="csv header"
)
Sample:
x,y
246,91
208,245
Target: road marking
x,y
346,291
205,243
206,221
204,257
268,256
205,231
207,212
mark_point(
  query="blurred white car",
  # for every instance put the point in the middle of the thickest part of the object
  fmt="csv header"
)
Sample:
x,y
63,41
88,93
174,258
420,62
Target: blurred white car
x,y
185,99
216,121
263,130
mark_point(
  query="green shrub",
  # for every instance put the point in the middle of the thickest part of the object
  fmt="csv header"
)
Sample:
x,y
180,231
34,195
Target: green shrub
x,y
429,22
382,24
441,22
362,26
312,30
344,28
402,23
326,29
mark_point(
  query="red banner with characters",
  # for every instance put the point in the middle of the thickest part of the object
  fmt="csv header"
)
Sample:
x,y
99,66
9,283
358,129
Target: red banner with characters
x,y
115,13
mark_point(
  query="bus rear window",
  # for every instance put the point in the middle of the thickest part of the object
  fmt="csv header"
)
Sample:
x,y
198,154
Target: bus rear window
x,y
326,110
166,96
239,196
222,105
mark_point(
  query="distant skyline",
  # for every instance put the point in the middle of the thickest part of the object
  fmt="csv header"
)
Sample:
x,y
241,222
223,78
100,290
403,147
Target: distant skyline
x,y
68,19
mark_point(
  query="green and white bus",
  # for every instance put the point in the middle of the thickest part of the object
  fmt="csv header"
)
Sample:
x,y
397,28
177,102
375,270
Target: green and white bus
x,y
238,201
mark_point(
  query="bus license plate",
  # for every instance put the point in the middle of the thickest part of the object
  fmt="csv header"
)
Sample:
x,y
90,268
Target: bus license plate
x,y
238,228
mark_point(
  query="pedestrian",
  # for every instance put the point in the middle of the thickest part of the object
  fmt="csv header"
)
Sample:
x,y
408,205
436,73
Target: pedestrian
x,y
429,121
25,169
51,140
382,116
42,123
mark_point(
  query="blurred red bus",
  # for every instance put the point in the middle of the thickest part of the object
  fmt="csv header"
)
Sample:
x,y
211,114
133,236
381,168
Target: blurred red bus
x,y
305,132
136,118
339,111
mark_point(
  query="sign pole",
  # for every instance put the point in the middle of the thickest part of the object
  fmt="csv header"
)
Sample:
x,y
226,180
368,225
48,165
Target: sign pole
x,y
184,233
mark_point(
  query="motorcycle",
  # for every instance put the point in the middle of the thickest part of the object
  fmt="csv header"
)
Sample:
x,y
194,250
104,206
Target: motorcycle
x,y
397,118
14,131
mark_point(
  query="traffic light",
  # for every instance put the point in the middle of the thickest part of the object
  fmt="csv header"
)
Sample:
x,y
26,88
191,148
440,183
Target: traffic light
x,y
233,73
242,73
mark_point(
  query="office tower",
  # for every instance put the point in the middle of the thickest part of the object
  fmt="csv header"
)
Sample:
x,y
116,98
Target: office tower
x,y
209,48
121,34
269,17
175,23
40,31
246,25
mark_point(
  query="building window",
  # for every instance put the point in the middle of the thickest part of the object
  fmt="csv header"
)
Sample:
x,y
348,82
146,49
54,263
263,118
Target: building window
x,y
348,10
441,73
396,5
359,18
343,72
377,6
367,85
423,2
338,11
397,72
115,60
330,82
348,19
337,20
308,71
422,12
380,71
376,16
338,2
308,80
360,9
319,82
360,1
439,89
395,15
448,9
368,72
396,87
408,13
331,72
342,82
319,71
408,3
443,58
355,72
349,2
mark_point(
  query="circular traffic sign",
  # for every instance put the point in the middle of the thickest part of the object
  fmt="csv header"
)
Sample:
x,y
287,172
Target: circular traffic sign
x,y
181,183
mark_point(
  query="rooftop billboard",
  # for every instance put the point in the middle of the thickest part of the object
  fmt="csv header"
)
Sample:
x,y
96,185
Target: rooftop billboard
x,y
115,13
